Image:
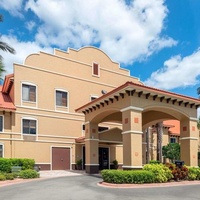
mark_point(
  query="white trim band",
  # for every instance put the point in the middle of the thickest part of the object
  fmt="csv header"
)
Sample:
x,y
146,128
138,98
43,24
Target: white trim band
x,y
132,167
131,108
91,164
91,139
132,132
194,119
188,138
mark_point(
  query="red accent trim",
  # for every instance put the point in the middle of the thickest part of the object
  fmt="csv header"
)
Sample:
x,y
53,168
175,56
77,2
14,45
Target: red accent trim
x,y
126,121
185,128
136,120
93,130
193,128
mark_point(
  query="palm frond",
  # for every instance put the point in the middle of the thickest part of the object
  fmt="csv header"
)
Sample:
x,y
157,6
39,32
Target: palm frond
x,y
5,47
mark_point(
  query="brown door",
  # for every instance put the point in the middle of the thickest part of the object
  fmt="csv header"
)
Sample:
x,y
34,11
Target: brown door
x,y
60,158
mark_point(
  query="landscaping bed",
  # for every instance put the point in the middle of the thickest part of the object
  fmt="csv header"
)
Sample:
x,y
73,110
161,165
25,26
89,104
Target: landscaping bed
x,y
13,168
151,173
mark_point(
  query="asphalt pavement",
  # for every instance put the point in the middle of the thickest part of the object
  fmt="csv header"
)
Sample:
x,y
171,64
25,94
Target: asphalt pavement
x,y
86,187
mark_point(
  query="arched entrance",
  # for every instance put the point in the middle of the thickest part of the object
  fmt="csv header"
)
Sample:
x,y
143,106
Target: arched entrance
x,y
135,107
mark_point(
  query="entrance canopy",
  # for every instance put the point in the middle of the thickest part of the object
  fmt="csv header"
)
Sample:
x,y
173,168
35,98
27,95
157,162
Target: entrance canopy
x,y
137,106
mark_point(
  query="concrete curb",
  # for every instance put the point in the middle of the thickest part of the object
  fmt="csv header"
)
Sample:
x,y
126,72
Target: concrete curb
x,y
16,181
150,185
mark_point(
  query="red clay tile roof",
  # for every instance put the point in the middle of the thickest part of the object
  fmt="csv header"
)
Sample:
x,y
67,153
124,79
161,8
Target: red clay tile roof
x,y
174,127
8,81
5,101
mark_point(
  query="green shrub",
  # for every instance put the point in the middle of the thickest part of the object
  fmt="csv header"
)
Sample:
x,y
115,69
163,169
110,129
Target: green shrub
x,y
9,176
2,177
5,165
15,174
28,173
154,162
127,176
16,161
161,172
28,163
179,173
193,173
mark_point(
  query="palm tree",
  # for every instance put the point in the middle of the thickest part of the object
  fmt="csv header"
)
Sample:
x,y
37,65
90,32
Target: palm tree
x,y
198,123
4,47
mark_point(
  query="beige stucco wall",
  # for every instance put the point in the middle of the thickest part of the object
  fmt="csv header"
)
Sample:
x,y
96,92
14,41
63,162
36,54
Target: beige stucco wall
x,y
70,71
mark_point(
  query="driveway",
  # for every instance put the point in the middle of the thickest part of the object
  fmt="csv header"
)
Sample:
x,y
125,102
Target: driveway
x,y
85,187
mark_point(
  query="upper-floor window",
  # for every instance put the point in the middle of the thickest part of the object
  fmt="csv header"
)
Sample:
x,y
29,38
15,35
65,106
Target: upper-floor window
x,y
29,126
1,123
28,92
1,150
61,98
100,128
172,140
95,69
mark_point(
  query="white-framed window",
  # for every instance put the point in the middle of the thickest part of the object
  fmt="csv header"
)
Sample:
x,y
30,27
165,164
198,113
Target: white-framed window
x,y
28,92
29,126
1,150
61,98
100,128
1,123
93,97
95,69
172,140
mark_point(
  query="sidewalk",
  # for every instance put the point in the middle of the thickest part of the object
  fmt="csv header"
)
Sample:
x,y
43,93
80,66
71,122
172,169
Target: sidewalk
x,y
59,173
43,175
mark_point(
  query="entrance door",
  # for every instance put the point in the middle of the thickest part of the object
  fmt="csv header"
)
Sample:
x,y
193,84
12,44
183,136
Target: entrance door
x,y
60,158
103,158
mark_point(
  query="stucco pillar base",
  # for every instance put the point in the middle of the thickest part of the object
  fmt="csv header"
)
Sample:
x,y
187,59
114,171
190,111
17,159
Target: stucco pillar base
x,y
92,169
189,142
132,167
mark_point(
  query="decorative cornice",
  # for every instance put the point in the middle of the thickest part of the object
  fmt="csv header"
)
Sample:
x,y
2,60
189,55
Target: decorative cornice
x,y
132,132
193,119
188,138
132,108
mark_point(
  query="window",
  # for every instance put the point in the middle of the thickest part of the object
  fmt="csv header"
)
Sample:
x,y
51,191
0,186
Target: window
x,y
100,128
28,93
95,69
29,126
61,98
1,151
1,123
172,140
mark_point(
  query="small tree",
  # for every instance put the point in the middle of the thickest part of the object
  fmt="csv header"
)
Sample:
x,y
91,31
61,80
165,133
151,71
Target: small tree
x,y
171,151
198,123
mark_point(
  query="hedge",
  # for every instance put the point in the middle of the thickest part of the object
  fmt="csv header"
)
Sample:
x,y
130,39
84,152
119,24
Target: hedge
x,y
127,176
28,173
161,172
193,173
7,163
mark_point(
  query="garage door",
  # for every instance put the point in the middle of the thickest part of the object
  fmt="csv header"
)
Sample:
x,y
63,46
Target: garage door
x,y
60,158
